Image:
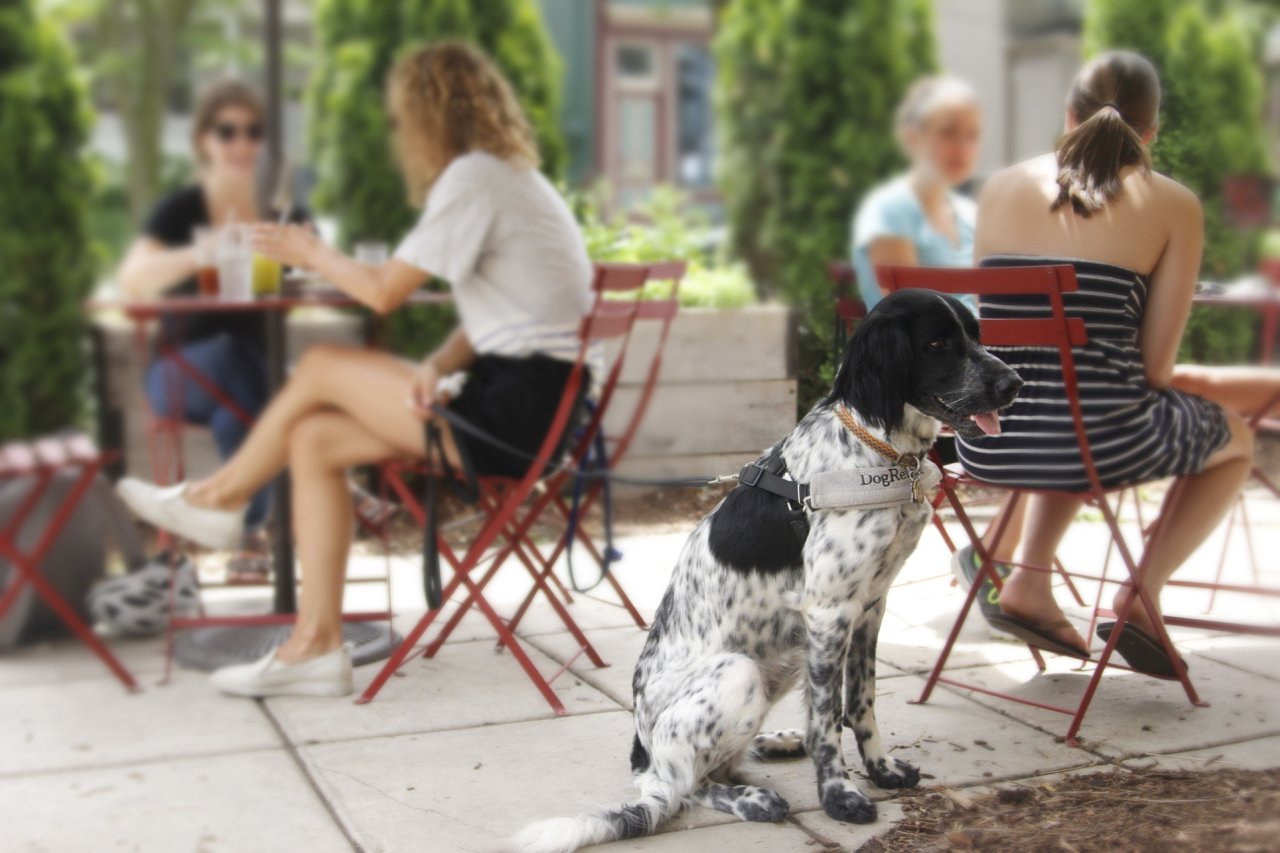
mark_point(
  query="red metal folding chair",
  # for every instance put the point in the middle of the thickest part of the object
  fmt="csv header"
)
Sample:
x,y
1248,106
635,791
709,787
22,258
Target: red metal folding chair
x,y
40,462
1061,333
504,502
661,311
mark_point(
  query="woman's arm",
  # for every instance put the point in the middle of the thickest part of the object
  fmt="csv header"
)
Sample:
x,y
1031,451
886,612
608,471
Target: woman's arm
x,y
383,287
453,355
149,268
1173,285
892,252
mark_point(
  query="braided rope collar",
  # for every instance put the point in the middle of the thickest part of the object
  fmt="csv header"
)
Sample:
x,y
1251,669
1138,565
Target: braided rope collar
x,y
909,460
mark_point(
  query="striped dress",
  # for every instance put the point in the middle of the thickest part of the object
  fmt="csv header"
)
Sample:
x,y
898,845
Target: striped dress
x,y
1136,433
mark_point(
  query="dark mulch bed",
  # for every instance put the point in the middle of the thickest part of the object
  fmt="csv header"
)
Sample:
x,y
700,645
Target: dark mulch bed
x,y
1148,811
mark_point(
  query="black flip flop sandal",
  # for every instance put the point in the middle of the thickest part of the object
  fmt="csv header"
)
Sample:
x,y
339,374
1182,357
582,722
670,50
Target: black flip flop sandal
x,y
1036,636
1141,651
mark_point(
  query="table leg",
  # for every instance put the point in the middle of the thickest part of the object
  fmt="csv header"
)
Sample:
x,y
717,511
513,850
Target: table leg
x,y
282,510
1269,320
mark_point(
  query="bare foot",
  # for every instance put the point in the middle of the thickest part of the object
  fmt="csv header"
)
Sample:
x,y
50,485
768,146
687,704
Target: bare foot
x,y
1028,599
1138,616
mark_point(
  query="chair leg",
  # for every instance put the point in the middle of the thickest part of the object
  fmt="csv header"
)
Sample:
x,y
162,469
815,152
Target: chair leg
x,y
1137,577
517,651
985,571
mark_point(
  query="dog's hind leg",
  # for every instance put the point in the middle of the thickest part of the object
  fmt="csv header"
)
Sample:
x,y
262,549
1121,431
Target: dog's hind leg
x,y
707,728
859,704
779,745
828,642
746,802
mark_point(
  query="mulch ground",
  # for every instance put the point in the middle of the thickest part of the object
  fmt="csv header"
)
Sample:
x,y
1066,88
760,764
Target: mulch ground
x,y
1148,811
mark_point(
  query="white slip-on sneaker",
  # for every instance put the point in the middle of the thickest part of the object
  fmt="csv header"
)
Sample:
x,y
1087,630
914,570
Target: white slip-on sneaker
x,y
327,675
167,508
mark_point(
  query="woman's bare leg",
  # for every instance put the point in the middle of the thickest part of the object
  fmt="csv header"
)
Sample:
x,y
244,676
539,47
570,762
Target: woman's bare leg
x,y
322,446
372,387
1206,497
1015,508
1028,592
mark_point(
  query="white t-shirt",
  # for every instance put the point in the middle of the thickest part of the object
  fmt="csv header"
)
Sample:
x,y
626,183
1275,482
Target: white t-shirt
x,y
510,248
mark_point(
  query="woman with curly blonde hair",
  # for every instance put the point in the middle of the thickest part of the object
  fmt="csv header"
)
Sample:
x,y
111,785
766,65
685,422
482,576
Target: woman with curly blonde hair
x,y
499,233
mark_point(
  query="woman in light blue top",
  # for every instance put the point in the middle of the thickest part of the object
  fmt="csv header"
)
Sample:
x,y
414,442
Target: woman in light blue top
x,y
918,219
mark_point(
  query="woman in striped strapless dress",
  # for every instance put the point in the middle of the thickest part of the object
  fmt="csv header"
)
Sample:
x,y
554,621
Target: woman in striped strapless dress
x,y
1135,238
1136,432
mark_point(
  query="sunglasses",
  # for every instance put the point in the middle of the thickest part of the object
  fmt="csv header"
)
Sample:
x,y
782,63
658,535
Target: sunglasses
x,y
227,132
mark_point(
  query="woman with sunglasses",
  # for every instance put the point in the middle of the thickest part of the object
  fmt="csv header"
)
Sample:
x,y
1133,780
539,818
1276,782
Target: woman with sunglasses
x,y
502,236
226,347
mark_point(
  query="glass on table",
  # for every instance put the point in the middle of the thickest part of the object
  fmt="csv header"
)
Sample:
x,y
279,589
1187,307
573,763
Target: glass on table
x,y
266,276
206,245
235,264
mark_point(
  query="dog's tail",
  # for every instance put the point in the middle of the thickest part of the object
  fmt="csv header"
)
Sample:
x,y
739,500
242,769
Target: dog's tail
x,y
629,820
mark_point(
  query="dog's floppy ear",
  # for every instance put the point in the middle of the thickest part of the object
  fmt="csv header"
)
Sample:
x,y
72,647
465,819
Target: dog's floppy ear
x,y
875,376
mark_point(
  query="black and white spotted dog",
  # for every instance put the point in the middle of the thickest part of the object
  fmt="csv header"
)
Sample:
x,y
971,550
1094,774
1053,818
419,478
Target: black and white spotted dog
x,y
750,610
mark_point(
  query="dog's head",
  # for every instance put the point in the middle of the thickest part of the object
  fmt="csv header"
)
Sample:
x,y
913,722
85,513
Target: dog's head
x,y
922,349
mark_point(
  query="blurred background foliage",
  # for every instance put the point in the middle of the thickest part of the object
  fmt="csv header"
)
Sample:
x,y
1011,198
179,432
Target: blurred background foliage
x,y
45,184
358,183
1209,58
666,226
805,93
805,96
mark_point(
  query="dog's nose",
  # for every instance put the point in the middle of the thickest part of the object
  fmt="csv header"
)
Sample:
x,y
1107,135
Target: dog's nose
x,y
1008,385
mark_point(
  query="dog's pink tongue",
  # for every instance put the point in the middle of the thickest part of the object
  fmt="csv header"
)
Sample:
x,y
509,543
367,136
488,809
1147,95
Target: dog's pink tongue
x,y
988,422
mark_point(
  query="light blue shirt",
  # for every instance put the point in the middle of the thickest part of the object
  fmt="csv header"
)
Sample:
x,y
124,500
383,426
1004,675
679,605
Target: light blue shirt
x,y
893,210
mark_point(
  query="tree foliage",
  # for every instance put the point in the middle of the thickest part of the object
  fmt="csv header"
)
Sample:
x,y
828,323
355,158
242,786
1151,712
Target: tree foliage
x,y
1210,128
805,95
44,252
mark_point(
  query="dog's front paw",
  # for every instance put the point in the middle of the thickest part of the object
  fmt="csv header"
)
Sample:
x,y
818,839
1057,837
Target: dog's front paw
x,y
842,801
889,773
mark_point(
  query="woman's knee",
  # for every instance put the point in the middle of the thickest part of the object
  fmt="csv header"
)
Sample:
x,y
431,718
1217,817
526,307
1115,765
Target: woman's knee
x,y
321,359
309,439
1239,445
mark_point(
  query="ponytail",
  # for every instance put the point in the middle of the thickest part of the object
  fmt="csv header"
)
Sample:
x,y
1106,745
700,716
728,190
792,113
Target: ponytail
x,y
1090,158
1116,99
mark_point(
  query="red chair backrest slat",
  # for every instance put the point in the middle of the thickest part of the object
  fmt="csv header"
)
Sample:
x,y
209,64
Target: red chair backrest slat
x,y
619,277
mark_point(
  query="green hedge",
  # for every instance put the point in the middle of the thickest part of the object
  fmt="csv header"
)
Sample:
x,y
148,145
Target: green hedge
x,y
46,266
805,99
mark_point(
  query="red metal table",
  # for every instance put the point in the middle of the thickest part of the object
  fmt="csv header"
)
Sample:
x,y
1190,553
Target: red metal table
x,y
275,309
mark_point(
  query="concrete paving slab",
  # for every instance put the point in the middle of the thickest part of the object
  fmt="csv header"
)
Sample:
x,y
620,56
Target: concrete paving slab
x,y
234,802
1255,655
1134,715
67,659
469,789
951,740
1254,754
467,684
93,722
784,837
847,836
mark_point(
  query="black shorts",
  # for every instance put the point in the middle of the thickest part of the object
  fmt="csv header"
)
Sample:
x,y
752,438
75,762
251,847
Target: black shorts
x,y
515,400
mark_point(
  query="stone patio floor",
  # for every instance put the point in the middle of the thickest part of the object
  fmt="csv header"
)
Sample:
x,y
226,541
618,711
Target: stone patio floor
x,y
461,751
